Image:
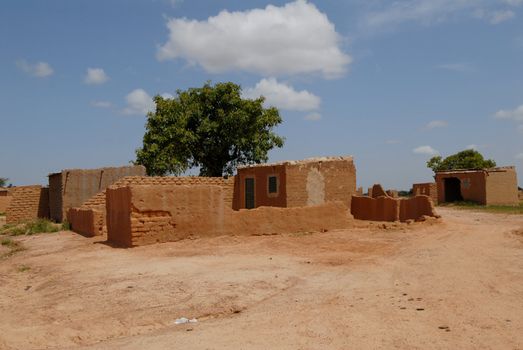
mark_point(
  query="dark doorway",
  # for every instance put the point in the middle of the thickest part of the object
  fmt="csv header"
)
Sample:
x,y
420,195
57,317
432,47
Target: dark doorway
x,y
249,193
453,190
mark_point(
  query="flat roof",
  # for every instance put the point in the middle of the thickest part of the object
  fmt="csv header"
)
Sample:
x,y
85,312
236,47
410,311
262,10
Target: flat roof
x,y
488,170
297,162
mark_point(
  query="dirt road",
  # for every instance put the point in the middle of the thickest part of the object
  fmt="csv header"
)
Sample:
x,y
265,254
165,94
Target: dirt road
x,y
453,284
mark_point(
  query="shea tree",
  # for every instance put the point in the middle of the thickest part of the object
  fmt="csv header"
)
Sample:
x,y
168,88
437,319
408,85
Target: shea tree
x,y
211,127
467,159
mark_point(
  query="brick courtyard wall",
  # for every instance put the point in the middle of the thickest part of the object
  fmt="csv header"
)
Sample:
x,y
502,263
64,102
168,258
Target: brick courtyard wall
x,y
145,214
90,218
502,187
27,203
391,209
5,199
72,187
427,189
377,191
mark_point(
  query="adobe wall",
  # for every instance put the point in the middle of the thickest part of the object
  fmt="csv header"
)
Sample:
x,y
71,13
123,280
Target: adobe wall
x,y
262,197
502,187
473,185
5,199
314,182
72,187
27,203
90,218
377,191
144,214
427,189
392,209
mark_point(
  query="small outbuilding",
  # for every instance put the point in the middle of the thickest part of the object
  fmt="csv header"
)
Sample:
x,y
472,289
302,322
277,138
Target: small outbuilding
x,y
301,183
495,186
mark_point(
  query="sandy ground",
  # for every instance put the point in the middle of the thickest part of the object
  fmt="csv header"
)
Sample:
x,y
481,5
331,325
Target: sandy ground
x,y
452,284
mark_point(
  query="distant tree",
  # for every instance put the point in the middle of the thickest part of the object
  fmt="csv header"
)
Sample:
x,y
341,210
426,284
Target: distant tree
x,y
3,181
468,159
212,127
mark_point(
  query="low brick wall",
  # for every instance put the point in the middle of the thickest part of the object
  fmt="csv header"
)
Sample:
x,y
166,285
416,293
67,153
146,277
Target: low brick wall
x,y
140,214
428,189
89,219
27,203
392,209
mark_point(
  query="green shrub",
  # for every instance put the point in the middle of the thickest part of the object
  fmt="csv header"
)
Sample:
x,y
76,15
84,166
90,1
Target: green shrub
x,y
41,226
66,226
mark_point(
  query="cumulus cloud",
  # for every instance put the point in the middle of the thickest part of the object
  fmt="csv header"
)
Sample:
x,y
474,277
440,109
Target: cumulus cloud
x,y
292,39
436,124
101,104
283,96
39,69
427,150
95,76
314,116
138,102
513,114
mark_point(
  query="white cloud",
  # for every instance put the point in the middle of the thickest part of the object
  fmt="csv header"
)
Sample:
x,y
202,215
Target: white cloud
x,y
472,147
519,156
514,114
436,124
314,116
494,16
293,39
457,67
513,2
95,76
101,104
427,150
283,96
139,102
39,69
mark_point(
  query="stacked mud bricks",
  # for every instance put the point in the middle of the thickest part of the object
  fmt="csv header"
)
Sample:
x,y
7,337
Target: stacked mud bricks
x,y
27,203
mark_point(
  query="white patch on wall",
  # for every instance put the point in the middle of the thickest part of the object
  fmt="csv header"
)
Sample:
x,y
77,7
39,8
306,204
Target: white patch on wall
x,y
315,187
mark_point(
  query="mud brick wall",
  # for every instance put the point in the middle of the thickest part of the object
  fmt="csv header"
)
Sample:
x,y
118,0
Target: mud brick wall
x,y
145,214
72,187
473,185
427,189
5,199
262,197
27,203
502,187
90,218
391,209
377,191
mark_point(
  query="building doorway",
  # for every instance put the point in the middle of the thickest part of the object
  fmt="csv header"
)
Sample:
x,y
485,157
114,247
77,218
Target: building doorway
x,y
249,193
453,189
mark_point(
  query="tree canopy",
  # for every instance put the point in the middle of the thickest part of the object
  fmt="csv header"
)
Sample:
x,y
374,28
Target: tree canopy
x,y
468,159
212,127
3,181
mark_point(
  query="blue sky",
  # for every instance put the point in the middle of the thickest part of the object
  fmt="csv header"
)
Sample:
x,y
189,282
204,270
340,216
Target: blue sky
x,y
389,82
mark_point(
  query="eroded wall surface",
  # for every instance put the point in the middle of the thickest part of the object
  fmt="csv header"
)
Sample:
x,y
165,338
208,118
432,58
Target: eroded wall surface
x,y
146,214
392,209
427,189
71,188
27,203
90,218
317,182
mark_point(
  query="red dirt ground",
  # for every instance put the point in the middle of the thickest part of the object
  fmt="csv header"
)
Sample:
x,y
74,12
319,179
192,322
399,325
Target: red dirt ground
x,y
451,283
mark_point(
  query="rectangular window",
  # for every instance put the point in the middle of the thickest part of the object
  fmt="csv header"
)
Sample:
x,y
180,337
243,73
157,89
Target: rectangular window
x,y
273,184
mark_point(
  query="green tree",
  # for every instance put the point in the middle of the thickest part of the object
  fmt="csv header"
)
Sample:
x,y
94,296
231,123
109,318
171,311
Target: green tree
x,y
3,181
212,127
468,159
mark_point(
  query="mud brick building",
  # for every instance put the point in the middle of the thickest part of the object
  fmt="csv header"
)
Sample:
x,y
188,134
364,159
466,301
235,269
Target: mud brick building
x,y
27,203
307,182
72,187
496,186
428,189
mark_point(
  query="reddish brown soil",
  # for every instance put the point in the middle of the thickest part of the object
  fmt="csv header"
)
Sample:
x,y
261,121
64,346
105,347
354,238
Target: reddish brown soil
x,y
456,283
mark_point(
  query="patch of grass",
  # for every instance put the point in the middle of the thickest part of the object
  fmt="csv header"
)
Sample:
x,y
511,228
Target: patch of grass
x,y
501,209
14,247
30,228
23,268
66,226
